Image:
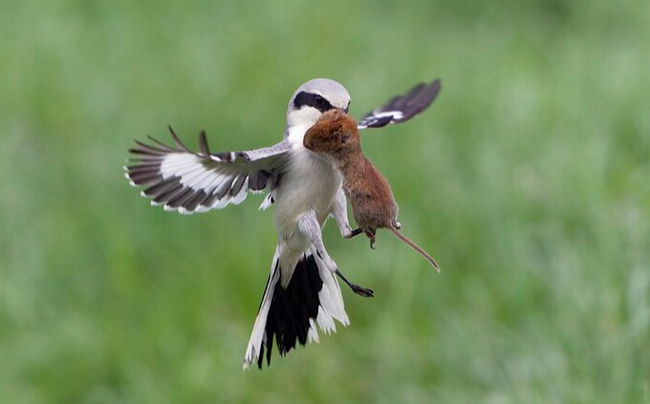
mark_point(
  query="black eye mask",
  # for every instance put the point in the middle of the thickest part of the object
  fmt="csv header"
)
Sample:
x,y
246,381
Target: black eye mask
x,y
311,100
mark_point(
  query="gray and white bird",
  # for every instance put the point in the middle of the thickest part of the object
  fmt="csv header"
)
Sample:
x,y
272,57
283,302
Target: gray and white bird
x,y
302,292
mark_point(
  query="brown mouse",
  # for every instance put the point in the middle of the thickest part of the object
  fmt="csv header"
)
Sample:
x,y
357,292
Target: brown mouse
x,y
336,136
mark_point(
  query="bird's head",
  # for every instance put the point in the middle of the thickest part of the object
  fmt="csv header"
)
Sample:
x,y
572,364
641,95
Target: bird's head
x,y
314,98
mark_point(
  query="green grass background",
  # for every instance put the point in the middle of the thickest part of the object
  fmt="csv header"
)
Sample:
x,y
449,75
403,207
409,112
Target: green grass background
x,y
528,180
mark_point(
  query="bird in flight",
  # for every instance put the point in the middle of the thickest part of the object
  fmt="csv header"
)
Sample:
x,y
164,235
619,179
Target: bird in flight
x,y
302,292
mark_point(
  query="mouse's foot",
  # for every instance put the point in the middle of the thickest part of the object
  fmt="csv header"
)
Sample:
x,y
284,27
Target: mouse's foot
x,y
370,233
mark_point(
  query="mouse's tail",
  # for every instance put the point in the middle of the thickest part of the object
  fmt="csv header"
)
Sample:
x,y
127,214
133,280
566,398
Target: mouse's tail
x,y
415,247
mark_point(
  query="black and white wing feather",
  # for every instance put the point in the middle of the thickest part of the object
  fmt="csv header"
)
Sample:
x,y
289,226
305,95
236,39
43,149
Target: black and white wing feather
x,y
401,108
179,179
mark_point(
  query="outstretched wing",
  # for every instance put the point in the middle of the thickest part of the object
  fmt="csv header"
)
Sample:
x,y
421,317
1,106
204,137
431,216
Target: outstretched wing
x,y
401,108
192,182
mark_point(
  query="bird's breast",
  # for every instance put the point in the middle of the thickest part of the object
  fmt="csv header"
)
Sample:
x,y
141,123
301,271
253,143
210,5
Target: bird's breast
x,y
310,182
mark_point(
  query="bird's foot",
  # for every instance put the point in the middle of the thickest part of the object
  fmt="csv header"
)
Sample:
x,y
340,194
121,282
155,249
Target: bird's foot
x,y
353,233
361,291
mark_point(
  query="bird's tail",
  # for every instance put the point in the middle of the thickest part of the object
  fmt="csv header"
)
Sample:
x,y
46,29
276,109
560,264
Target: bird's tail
x,y
289,311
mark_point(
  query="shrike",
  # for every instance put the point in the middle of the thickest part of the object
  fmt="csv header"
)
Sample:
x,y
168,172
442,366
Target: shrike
x,y
302,291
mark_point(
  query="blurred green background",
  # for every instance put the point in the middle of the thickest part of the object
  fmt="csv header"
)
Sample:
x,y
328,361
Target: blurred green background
x,y
528,180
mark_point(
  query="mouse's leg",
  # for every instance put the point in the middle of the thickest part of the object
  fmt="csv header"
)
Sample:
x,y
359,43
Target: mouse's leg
x,y
309,226
371,235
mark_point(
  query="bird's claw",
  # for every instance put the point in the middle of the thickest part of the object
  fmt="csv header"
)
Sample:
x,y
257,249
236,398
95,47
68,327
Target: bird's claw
x,y
353,233
361,291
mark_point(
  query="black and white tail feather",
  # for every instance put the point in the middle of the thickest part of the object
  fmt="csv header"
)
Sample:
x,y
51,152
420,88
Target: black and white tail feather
x,y
290,314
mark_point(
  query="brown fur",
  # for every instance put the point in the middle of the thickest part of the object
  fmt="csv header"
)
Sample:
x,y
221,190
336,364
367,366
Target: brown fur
x,y
336,137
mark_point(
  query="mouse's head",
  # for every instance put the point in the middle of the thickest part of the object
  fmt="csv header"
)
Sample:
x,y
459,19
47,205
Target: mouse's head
x,y
334,134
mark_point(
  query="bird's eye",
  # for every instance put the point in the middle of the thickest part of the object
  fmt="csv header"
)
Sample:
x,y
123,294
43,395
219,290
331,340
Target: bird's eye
x,y
313,100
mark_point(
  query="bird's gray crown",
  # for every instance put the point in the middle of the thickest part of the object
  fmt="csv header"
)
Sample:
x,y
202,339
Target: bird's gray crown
x,y
322,94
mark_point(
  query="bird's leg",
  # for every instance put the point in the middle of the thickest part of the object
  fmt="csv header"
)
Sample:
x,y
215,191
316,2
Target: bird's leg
x,y
309,226
340,214
354,232
359,290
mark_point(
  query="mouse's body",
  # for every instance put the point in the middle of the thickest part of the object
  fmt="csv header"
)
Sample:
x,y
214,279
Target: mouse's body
x,y
370,196
336,137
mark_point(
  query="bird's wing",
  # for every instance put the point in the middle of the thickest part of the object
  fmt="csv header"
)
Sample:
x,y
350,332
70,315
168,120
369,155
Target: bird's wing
x,y
190,182
402,107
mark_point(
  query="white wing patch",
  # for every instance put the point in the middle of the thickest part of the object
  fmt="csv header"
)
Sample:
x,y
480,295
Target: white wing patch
x,y
401,108
188,182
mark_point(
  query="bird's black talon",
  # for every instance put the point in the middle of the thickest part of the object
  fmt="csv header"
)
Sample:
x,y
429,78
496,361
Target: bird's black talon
x,y
361,291
354,233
